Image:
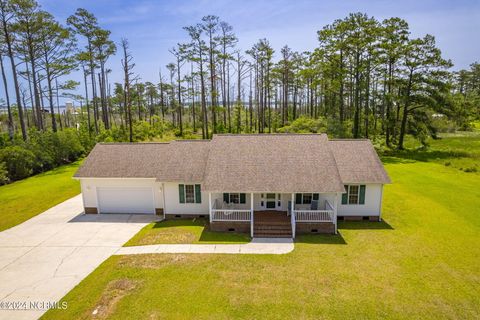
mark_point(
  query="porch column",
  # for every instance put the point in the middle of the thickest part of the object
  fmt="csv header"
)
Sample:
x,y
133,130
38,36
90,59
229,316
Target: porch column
x,y
210,206
335,206
251,215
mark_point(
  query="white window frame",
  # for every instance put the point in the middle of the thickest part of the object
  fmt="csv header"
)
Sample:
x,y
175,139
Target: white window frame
x,y
185,193
358,194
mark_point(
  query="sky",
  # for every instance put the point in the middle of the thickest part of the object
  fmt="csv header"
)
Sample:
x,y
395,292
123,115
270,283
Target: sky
x,y
153,27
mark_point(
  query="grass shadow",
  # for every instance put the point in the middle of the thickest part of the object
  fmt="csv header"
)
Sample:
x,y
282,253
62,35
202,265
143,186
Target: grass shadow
x,y
364,225
208,236
321,238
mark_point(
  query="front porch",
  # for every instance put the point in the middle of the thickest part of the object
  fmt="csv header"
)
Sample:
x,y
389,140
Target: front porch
x,y
272,214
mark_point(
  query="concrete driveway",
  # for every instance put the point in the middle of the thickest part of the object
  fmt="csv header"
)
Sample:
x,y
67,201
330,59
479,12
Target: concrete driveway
x,y
45,257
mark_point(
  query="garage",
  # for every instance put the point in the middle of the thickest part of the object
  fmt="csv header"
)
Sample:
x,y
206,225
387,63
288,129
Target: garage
x,y
126,200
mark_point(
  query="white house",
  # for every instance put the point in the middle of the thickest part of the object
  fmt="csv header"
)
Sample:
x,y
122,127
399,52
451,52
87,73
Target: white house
x,y
268,185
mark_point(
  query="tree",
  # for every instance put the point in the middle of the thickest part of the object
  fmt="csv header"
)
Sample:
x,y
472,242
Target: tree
x,y
85,24
196,53
56,48
127,64
6,20
424,65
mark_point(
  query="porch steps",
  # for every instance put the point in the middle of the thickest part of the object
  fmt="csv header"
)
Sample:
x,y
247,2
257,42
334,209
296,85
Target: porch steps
x,y
272,224
272,229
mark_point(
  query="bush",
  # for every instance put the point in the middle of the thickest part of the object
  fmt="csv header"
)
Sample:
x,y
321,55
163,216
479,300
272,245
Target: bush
x,y
3,174
305,125
18,161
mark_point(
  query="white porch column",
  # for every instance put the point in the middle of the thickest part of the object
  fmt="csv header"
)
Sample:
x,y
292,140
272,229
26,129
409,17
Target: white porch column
x,y
251,215
335,206
210,206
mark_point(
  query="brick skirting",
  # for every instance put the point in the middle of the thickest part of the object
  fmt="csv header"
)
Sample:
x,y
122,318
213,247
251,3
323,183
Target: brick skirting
x,y
185,216
91,210
359,218
234,226
321,227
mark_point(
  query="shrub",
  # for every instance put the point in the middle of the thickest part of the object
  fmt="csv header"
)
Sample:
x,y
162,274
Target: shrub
x,y
3,174
18,161
305,125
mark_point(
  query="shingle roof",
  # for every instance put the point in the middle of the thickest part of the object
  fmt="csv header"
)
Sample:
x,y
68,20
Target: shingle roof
x,y
247,163
358,162
175,161
275,163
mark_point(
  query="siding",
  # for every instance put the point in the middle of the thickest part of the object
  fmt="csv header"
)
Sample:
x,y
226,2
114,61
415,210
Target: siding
x,y
372,206
173,205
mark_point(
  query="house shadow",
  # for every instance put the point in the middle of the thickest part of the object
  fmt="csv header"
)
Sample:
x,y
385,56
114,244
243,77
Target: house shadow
x,y
364,225
114,218
320,238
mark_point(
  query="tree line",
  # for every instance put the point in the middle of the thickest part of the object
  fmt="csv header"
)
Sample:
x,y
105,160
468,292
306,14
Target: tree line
x,y
365,79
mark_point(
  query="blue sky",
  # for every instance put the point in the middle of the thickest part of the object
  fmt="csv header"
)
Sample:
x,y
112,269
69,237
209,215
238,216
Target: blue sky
x,y
152,27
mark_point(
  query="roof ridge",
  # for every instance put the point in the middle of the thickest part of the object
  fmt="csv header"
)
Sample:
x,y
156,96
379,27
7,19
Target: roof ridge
x,y
267,134
349,139
132,143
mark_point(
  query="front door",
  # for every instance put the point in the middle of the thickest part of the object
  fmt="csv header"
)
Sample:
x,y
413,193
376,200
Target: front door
x,y
272,201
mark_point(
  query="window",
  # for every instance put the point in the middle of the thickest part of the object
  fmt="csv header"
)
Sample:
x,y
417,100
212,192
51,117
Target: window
x,y
189,193
234,198
306,198
355,194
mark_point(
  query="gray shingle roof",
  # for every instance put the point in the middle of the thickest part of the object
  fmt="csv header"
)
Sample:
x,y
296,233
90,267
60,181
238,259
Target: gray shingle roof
x,y
271,162
247,163
175,161
358,162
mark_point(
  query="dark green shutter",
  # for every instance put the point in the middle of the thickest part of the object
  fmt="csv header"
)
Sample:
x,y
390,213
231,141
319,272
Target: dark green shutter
x,y
345,195
243,198
181,193
362,194
316,196
198,194
226,198
298,198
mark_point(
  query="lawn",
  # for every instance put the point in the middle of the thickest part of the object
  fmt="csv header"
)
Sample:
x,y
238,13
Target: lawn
x,y
421,262
183,231
22,200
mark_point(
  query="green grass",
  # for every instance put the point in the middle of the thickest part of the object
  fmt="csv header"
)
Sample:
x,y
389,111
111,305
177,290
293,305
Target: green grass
x,y
421,262
183,231
22,200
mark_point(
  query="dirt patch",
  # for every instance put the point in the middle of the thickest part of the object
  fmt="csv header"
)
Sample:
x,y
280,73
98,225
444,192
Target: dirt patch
x,y
168,237
113,293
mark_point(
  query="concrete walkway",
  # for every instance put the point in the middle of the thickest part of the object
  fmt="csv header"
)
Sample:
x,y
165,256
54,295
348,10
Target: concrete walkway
x,y
43,258
257,246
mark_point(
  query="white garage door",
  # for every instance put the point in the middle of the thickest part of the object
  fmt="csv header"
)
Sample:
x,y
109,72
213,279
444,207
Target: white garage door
x,y
125,200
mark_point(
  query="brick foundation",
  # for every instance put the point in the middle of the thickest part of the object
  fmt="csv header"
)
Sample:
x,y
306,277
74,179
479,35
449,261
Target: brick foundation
x,y
184,216
308,228
221,226
361,218
91,210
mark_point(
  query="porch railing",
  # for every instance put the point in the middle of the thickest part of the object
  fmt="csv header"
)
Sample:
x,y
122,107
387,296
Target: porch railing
x,y
220,214
231,215
315,215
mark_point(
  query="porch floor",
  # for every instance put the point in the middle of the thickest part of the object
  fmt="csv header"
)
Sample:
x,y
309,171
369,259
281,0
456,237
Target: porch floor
x,y
271,224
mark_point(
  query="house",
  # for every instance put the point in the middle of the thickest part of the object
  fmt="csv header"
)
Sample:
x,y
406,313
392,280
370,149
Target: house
x,y
267,185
